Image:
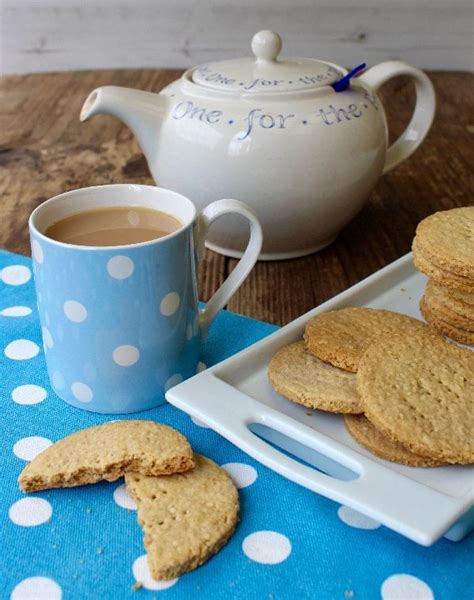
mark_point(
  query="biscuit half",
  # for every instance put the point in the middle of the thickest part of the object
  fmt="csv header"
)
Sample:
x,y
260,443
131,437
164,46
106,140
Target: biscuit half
x,y
107,452
186,518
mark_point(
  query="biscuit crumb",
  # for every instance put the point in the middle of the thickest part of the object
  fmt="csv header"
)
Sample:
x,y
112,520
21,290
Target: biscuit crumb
x,y
402,289
309,414
348,594
137,586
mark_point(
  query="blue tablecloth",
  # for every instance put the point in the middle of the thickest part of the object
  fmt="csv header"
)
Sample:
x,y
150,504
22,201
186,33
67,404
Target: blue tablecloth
x,y
85,543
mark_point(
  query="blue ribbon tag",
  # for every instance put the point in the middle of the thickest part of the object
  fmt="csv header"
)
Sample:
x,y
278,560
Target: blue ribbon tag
x,y
343,84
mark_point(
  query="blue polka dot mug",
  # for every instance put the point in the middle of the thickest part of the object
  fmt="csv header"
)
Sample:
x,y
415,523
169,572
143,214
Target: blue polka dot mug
x,y
121,324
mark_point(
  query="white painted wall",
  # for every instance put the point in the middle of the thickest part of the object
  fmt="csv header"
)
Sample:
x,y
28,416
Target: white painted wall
x,y
52,35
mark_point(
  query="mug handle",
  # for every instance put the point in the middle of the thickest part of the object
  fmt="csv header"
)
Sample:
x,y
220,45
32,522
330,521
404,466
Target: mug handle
x,y
245,264
423,114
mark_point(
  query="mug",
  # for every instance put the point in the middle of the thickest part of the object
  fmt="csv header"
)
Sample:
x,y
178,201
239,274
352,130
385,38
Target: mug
x,y
121,324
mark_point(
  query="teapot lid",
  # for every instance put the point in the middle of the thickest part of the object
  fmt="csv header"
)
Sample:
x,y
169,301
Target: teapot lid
x,y
264,72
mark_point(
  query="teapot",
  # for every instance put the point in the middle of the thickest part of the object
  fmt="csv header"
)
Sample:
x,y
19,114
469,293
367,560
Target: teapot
x,y
298,140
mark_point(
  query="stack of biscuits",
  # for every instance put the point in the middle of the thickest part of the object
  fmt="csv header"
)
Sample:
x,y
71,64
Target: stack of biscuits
x,y
406,392
443,249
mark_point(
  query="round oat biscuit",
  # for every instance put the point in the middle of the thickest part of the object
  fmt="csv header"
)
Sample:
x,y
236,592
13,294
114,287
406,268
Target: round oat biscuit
x,y
439,275
186,518
446,238
364,432
305,379
436,304
445,327
418,390
341,337
106,452
462,298
458,302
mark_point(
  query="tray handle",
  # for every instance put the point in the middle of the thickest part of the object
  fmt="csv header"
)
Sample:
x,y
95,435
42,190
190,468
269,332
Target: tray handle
x,y
421,513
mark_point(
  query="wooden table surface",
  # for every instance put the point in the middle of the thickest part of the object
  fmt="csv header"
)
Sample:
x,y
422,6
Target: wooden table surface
x,y
45,150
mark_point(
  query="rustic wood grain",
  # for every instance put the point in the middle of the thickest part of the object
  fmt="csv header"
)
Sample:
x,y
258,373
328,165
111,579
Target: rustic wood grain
x,y
63,35
44,150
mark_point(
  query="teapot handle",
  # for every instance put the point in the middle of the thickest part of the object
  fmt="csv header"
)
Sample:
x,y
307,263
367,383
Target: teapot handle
x,y
423,114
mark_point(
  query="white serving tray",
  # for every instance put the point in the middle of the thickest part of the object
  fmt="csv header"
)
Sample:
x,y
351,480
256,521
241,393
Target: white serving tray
x,y
235,398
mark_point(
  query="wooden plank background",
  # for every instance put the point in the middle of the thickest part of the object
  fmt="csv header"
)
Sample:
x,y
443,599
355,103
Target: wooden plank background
x,y
58,35
45,150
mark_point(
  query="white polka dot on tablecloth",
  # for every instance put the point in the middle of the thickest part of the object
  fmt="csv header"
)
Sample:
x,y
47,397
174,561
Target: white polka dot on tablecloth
x,y
173,380
242,474
37,252
29,512
29,394
21,350
405,587
81,391
170,304
58,380
267,547
37,588
123,499
15,311
142,574
15,275
47,338
120,267
201,366
353,518
189,332
75,311
28,448
126,355
199,423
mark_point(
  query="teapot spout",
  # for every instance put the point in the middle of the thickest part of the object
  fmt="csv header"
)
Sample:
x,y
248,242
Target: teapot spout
x,y
141,111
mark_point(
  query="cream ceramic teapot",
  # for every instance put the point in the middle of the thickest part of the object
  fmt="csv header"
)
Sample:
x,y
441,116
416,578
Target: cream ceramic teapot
x,y
296,139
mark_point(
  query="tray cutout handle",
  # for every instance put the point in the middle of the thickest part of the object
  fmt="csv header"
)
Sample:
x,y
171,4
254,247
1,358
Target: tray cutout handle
x,y
395,500
302,454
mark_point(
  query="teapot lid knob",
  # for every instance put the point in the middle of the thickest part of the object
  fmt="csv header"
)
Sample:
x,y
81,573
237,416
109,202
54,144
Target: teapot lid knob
x,y
266,46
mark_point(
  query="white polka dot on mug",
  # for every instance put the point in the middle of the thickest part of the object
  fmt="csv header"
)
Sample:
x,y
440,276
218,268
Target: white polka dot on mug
x,y
120,267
